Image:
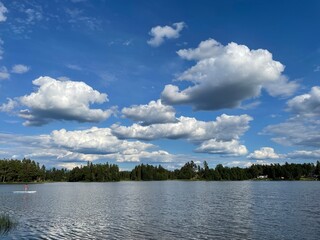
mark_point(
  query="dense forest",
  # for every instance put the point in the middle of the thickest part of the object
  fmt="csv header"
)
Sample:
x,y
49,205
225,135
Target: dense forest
x,y
27,170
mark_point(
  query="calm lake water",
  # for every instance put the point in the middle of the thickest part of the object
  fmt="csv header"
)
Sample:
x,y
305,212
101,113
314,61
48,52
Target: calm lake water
x,y
165,210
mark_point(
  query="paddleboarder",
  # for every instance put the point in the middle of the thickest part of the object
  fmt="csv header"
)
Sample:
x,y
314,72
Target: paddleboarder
x,y
26,187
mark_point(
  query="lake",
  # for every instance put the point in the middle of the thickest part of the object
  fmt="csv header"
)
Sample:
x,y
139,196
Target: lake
x,y
165,210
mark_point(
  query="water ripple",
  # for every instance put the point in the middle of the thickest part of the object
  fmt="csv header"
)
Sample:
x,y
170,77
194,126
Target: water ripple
x,y
166,210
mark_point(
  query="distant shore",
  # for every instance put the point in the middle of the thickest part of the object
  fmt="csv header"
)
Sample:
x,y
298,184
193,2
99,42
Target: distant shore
x,y
191,180
28,171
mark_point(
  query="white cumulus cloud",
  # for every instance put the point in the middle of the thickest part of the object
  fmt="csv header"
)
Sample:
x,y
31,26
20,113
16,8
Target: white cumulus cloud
x,y
62,148
215,137
231,148
95,141
264,153
3,11
301,129
20,69
306,104
154,112
159,33
225,128
62,100
224,76
154,156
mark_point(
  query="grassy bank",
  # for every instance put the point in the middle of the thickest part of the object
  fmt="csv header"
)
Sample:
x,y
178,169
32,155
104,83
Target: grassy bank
x,y
6,224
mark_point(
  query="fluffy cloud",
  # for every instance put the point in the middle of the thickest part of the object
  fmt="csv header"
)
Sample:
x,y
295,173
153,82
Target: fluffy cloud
x,y
264,153
3,11
224,76
154,112
307,104
99,143
301,129
9,106
95,141
231,148
298,131
62,148
159,34
206,49
154,156
225,128
303,154
20,69
62,100
246,164
216,137
4,74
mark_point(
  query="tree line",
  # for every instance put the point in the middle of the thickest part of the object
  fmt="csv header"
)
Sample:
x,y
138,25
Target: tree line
x,y
27,170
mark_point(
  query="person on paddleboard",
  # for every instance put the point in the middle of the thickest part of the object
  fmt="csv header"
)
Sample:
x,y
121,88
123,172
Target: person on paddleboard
x,y
26,187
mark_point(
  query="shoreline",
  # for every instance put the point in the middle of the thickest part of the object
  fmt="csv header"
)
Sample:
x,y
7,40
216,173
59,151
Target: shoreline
x,y
182,180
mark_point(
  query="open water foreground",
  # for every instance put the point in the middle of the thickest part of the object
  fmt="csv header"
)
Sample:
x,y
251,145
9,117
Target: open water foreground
x,y
165,210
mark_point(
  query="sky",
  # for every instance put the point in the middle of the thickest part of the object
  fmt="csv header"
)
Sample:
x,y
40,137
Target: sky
x,y
160,82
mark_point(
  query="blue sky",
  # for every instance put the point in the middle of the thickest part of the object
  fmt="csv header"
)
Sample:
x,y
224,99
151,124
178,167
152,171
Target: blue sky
x,y
159,82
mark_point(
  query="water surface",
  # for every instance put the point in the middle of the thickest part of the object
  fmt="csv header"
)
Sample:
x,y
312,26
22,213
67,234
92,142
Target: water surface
x,y
165,210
